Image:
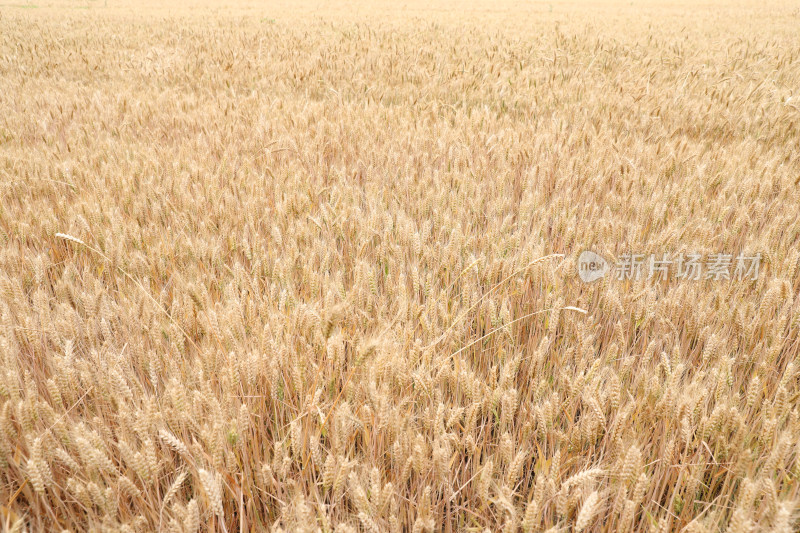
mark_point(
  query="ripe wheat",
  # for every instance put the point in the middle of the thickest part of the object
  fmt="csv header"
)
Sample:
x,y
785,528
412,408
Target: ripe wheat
x,y
303,268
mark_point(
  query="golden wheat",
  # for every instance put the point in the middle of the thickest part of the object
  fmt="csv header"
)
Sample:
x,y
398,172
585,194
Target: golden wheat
x,y
294,267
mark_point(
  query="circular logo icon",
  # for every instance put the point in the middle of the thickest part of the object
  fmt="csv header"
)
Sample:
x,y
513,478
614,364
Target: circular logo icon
x,y
591,266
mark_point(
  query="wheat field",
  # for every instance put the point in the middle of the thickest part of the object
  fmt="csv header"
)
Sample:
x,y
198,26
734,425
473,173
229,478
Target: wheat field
x,y
310,266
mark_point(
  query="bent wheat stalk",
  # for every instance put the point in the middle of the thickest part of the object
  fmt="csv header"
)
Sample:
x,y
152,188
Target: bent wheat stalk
x,y
107,259
490,291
